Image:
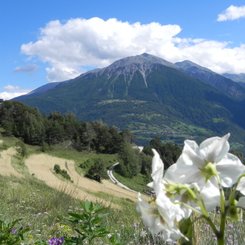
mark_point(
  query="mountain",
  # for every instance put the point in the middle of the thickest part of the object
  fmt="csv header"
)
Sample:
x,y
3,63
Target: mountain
x,y
239,78
221,83
44,88
149,96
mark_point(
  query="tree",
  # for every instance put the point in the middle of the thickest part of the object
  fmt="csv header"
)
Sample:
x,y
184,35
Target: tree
x,y
169,152
22,122
97,171
130,162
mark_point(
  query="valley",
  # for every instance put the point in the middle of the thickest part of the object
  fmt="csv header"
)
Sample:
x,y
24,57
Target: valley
x,y
152,98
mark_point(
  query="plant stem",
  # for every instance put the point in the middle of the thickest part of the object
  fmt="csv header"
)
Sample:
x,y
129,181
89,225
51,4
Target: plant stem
x,y
212,225
223,211
221,241
221,235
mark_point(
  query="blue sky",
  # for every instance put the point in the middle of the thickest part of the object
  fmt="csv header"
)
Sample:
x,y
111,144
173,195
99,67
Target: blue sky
x,y
53,40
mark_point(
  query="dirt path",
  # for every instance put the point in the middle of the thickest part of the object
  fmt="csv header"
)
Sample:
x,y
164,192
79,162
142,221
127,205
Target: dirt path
x,y
6,168
41,165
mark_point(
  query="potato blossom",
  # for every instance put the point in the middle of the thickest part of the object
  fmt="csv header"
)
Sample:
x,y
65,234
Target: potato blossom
x,y
160,215
207,165
195,183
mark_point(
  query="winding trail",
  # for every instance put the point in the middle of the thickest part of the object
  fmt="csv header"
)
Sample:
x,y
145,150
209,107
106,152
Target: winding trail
x,y
115,181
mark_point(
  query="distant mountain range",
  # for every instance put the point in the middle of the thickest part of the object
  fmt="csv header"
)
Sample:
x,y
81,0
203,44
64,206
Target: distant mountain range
x,y
151,97
223,84
240,78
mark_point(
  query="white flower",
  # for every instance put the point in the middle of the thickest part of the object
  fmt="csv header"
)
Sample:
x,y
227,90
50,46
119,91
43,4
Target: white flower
x,y
200,163
241,202
162,188
210,195
157,173
161,215
170,211
241,186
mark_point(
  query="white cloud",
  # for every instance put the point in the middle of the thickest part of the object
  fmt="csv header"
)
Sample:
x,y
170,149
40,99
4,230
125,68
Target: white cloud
x,y
8,95
12,91
69,48
11,87
232,13
28,68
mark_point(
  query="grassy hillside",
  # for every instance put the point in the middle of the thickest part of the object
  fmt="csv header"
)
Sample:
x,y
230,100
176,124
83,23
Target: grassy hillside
x,y
44,210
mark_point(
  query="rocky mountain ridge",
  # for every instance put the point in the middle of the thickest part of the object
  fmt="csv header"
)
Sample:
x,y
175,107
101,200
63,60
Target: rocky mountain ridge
x,y
151,97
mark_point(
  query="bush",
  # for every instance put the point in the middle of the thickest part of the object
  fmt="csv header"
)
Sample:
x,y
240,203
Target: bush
x,y
61,172
45,147
97,171
89,226
86,164
130,162
12,233
21,149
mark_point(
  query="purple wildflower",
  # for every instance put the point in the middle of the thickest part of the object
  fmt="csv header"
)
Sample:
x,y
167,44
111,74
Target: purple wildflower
x,y
56,241
14,231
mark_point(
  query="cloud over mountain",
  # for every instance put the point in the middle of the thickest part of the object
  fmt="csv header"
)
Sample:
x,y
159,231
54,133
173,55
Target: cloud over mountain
x,y
68,48
12,91
232,13
27,68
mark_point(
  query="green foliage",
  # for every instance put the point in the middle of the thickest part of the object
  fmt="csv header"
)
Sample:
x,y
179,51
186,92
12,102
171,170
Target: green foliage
x,y
45,147
146,165
137,183
61,172
97,171
39,206
169,152
186,227
21,149
43,209
33,128
89,225
98,137
130,161
12,233
22,121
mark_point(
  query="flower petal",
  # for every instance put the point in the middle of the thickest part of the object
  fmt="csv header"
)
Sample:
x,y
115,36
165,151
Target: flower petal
x,y
230,168
211,195
150,216
155,222
157,167
241,202
190,153
215,148
169,211
182,173
241,186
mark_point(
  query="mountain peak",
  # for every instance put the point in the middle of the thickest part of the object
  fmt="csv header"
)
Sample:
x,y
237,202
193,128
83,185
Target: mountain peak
x,y
221,83
143,59
187,64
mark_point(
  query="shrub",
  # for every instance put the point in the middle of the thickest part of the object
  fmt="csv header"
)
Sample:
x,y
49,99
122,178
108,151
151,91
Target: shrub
x,y
21,149
86,164
61,172
89,225
11,233
130,162
97,171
